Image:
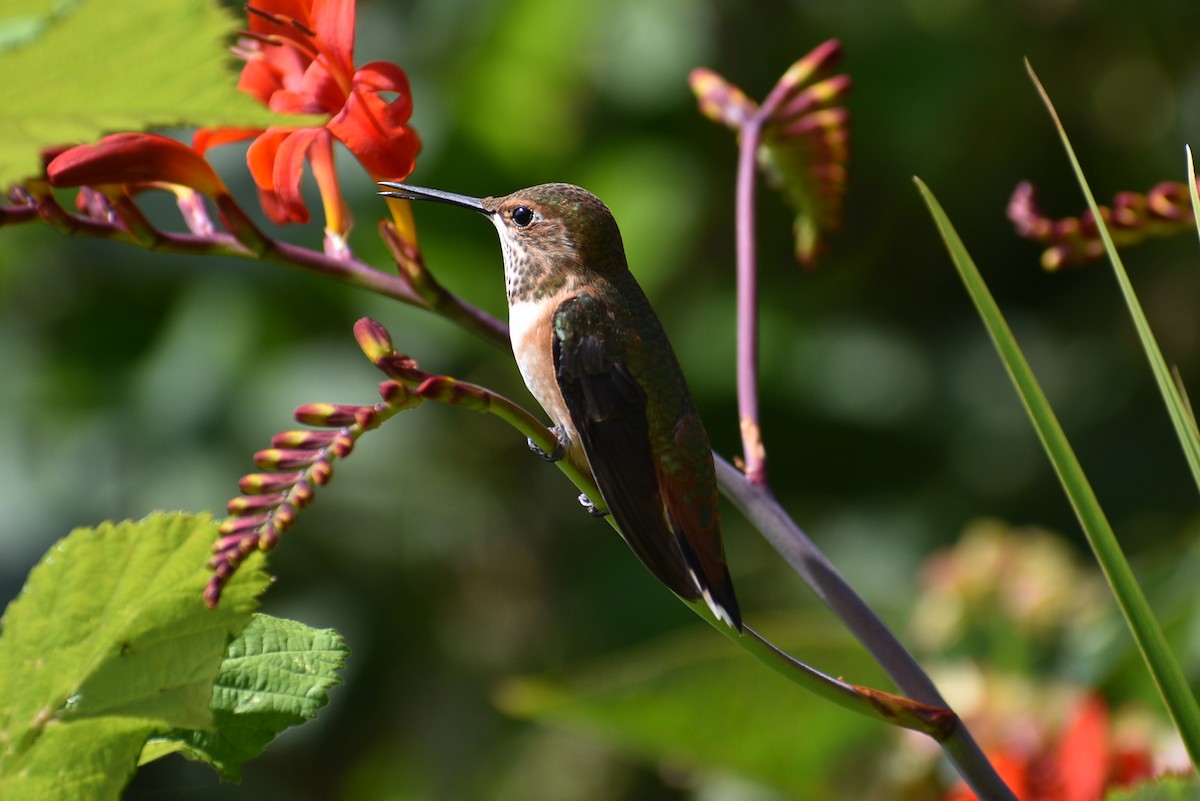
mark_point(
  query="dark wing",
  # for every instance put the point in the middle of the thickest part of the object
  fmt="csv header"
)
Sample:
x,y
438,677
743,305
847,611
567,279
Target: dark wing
x,y
608,408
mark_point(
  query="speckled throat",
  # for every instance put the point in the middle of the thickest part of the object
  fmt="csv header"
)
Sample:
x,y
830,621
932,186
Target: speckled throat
x,y
529,277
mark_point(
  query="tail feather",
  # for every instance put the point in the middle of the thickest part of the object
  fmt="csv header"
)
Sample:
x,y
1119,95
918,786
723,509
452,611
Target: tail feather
x,y
717,591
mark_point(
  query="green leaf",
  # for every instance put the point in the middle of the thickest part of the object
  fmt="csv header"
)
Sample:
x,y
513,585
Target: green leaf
x,y
95,67
695,699
19,25
110,642
1191,170
1163,666
1168,788
275,675
89,760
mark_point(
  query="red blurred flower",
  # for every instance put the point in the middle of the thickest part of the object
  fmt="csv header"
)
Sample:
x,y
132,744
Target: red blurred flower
x,y
1080,766
300,60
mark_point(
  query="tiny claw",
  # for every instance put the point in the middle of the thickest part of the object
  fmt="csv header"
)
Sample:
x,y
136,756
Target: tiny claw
x,y
591,507
560,447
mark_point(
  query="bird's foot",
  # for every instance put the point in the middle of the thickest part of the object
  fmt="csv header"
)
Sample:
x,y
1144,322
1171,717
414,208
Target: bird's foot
x,y
587,504
560,446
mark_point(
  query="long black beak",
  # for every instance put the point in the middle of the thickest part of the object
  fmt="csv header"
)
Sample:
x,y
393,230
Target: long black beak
x,y
406,192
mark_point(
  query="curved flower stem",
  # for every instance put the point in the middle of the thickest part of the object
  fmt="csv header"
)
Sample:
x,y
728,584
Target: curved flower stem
x,y
749,491
760,507
750,133
754,453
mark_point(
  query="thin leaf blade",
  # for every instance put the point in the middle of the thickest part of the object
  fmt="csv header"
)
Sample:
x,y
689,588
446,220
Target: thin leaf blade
x,y
1164,668
1176,407
1191,170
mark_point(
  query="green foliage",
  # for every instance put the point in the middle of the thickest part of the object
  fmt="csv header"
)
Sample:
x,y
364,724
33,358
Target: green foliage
x,y
25,21
1169,788
679,699
110,643
78,71
275,675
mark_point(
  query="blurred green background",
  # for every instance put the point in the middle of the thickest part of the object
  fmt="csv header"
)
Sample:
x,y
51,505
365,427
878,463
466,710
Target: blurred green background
x,y
449,557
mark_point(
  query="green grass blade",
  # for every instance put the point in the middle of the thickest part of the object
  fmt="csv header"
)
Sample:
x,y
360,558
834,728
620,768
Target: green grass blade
x,y
1176,407
1192,188
1164,669
1187,401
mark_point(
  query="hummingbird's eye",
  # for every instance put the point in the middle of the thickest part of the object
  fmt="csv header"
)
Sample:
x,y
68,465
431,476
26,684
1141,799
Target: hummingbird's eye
x,y
522,216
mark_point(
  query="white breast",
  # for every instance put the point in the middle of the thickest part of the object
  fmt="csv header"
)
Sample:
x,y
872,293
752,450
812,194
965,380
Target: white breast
x,y
529,326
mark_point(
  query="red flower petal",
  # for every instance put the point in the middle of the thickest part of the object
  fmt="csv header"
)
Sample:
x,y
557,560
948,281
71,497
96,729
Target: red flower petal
x,y
384,76
260,158
271,69
135,158
333,20
291,9
1130,766
320,158
321,89
206,138
289,168
259,80
1083,754
286,101
376,130
271,207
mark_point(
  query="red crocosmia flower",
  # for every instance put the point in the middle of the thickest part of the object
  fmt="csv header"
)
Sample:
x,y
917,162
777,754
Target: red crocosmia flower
x,y
135,159
300,60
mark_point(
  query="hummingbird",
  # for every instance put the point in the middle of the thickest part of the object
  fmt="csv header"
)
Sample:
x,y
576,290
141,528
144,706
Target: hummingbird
x,y
593,353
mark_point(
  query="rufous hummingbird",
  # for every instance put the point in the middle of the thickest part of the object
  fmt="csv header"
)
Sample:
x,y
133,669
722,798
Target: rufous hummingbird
x,y
594,354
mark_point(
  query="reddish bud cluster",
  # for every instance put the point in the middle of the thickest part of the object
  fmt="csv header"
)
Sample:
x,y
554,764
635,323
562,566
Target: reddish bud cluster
x,y
1166,209
805,137
301,460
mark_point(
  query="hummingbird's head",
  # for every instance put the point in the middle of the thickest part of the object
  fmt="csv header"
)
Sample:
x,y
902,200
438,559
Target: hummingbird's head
x,y
552,235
